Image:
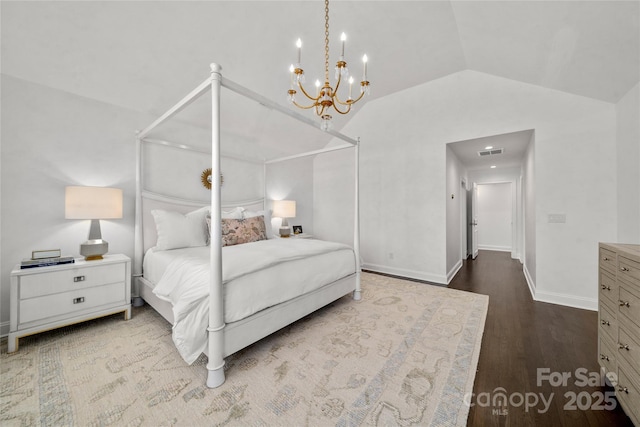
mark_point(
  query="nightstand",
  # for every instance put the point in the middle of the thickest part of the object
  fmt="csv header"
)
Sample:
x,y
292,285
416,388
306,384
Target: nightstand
x,y
44,298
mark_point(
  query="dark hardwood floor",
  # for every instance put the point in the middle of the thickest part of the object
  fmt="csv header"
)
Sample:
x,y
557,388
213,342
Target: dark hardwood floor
x,y
522,338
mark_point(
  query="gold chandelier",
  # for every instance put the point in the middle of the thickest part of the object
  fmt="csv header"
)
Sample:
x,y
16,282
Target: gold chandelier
x,y
326,96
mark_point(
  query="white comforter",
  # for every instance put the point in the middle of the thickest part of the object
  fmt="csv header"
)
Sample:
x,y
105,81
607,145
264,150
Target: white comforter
x,y
255,277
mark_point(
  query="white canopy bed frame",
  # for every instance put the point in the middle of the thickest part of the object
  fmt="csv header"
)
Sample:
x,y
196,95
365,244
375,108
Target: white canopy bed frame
x,y
226,339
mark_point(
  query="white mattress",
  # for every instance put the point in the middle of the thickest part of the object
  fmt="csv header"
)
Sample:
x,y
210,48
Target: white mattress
x,y
247,288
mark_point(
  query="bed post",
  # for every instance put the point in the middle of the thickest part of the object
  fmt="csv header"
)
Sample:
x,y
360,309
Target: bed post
x,y
215,366
356,222
138,252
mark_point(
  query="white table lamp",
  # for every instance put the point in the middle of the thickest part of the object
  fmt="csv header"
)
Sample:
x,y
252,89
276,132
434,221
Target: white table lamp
x,y
284,209
94,203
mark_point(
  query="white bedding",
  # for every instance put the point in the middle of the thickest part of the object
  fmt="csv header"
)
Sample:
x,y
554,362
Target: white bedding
x,y
255,276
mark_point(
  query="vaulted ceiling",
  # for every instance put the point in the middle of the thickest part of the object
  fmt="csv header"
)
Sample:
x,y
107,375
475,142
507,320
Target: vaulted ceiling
x,y
147,55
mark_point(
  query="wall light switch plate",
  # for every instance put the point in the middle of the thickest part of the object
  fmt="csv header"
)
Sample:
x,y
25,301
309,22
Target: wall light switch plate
x,y
557,218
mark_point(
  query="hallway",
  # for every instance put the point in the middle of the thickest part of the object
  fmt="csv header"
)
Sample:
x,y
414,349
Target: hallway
x,y
526,346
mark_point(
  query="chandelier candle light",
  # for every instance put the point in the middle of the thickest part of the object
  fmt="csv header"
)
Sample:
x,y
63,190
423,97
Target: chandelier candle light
x,y
326,96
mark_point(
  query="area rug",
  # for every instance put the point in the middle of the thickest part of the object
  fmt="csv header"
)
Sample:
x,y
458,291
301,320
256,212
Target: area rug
x,y
404,355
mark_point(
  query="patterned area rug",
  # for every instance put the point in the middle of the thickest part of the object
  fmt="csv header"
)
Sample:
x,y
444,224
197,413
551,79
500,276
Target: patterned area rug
x,y
404,355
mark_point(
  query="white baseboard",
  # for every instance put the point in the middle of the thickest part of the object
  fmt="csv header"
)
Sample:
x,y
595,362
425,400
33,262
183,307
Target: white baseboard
x,y
452,273
494,248
530,282
568,300
412,274
556,298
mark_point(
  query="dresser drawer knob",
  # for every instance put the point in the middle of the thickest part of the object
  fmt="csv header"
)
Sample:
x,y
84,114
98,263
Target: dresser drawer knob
x,y
624,269
624,389
78,279
623,346
605,322
624,303
606,288
78,300
604,357
605,259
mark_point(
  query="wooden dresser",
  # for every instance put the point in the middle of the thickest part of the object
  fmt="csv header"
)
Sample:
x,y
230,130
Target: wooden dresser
x,y
619,322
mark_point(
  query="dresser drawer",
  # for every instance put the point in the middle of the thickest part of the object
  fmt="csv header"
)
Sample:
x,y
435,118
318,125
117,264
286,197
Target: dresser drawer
x,y
628,346
70,303
628,392
629,270
607,355
608,260
607,322
37,285
608,288
629,308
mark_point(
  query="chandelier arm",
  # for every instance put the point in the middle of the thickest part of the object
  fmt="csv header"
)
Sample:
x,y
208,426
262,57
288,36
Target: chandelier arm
x,y
302,106
313,98
359,98
335,107
347,102
338,82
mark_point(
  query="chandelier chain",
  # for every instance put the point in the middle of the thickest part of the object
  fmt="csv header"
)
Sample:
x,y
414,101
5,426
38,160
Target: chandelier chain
x,y
326,40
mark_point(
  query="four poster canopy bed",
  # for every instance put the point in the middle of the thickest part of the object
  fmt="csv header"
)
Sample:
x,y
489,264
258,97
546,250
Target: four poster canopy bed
x,y
219,295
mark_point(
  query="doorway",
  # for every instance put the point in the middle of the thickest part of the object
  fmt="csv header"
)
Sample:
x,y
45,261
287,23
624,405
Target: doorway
x,y
495,216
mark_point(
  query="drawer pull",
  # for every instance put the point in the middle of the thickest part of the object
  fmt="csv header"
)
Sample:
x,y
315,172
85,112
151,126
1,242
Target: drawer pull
x,y
605,322
604,357
606,288
624,269
624,303
605,259
78,300
623,346
624,389
78,279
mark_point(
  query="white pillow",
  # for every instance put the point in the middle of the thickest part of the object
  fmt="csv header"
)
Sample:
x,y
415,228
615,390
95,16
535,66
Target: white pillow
x,y
235,213
176,230
267,220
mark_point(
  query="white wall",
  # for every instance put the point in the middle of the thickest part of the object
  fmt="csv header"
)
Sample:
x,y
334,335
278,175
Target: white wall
x,y
495,203
529,214
293,180
456,172
628,115
404,168
51,139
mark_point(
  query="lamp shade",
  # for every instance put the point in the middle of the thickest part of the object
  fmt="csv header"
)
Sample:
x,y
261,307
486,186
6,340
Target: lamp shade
x,y
284,208
92,203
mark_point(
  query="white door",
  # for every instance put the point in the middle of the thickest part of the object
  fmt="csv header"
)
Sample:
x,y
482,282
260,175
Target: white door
x,y
474,221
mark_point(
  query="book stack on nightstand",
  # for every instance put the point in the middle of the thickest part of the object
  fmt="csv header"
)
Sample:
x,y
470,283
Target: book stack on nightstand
x,y
49,297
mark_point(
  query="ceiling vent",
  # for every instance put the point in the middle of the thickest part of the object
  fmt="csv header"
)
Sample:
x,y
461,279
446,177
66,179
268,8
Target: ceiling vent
x,y
491,152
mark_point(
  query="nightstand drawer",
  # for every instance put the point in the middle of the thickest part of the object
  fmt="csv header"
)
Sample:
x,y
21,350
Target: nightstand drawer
x,y
55,282
68,303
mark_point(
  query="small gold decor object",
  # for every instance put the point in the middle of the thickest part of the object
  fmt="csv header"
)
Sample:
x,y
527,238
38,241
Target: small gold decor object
x,y
205,178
